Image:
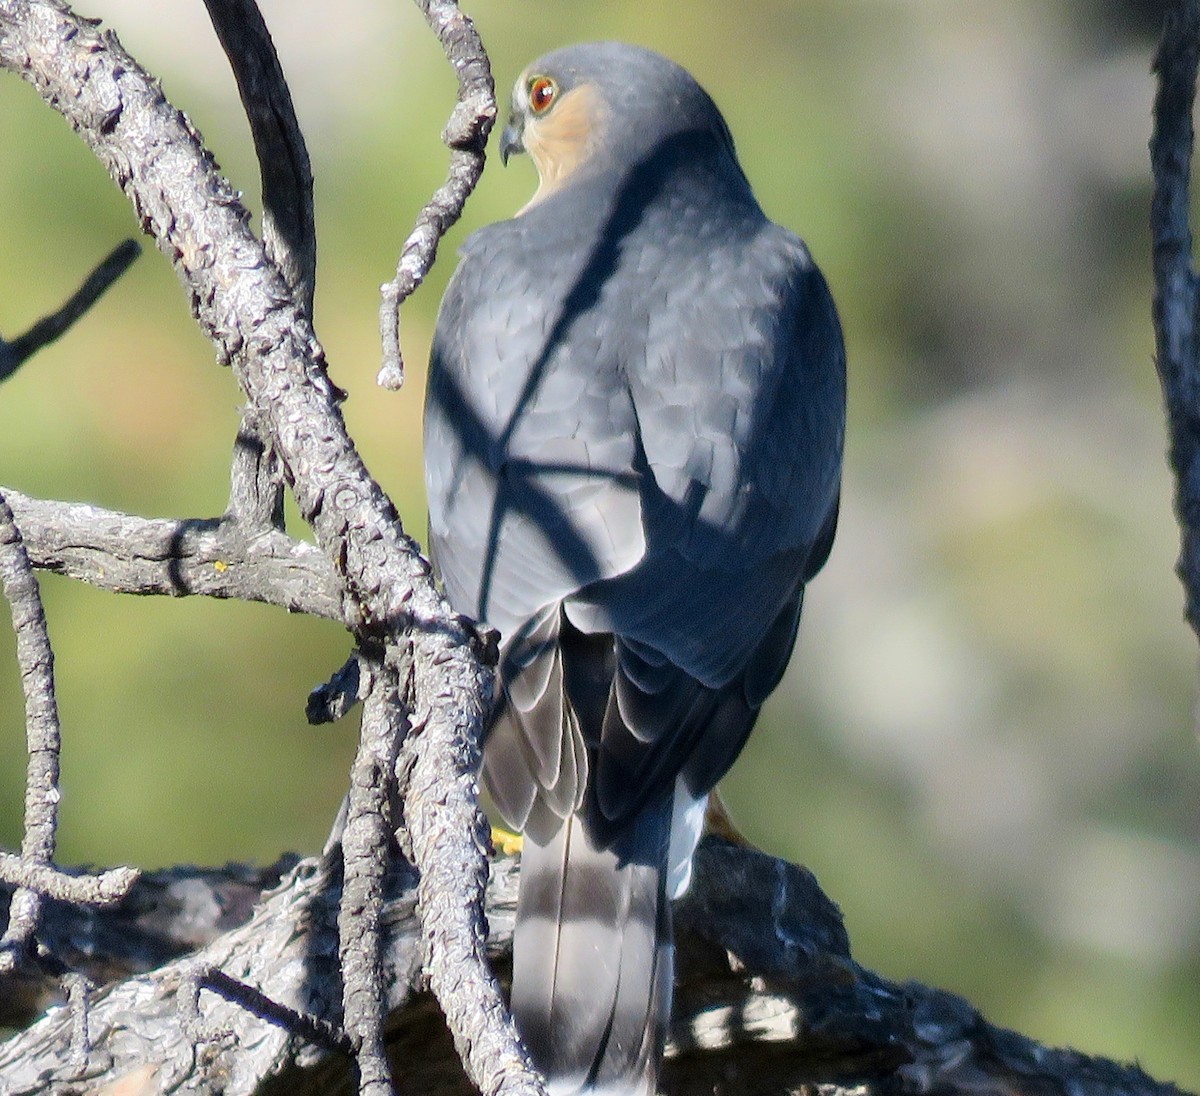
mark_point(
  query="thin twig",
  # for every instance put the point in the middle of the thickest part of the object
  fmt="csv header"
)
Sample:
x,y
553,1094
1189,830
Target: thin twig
x,y
1175,288
14,354
205,976
466,134
331,700
79,1001
42,733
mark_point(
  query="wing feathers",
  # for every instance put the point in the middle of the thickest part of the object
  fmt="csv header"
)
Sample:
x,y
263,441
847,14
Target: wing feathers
x,y
535,747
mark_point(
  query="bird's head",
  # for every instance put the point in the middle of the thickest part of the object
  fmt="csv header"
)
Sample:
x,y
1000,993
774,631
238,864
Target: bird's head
x,y
601,106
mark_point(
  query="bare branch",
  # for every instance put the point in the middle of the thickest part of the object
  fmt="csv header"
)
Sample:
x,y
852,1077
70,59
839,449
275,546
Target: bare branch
x,y
449,836
316,1030
31,872
42,732
242,303
769,1000
79,1002
289,228
289,231
366,843
287,950
195,217
166,915
285,954
466,135
14,354
104,889
1175,297
134,555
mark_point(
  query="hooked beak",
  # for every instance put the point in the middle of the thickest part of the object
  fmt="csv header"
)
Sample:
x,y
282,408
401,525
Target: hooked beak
x,y
512,139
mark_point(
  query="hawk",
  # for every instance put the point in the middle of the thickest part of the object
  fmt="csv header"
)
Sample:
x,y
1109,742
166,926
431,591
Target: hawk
x,y
633,445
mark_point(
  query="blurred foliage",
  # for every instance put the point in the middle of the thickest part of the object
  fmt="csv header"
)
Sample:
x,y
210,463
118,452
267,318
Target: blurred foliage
x,y
985,747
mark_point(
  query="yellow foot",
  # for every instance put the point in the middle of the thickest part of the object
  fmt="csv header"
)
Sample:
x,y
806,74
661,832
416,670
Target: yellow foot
x,y
506,842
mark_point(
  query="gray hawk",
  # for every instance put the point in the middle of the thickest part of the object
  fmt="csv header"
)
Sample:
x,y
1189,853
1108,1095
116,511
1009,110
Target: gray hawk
x,y
633,444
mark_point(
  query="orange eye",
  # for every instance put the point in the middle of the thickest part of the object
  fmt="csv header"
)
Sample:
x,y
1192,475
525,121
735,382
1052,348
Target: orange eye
x,y
542,91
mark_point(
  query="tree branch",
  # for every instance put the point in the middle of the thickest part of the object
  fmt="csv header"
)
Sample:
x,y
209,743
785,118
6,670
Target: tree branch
x,y
466,134
43,734
105,889
32,871
1175,289
241,302
324,1033
289,229
769,1000
166,915
366,842
287,951
133,555
14,354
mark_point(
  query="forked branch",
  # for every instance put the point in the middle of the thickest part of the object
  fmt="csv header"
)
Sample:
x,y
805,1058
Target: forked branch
x,y
32,871
259,327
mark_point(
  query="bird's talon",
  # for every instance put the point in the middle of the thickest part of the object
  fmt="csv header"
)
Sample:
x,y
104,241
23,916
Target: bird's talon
x,y
506,842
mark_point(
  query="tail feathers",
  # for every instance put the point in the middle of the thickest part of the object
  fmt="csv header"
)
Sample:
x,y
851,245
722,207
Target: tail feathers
x,y
592,956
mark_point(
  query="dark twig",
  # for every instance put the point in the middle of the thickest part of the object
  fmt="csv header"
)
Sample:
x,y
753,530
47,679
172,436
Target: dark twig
x,y
1175,295
204,976
331,700
366,844
289,230
466,134
43,738
14,354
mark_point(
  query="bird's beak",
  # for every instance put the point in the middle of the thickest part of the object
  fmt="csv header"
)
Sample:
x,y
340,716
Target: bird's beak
x,y
513,138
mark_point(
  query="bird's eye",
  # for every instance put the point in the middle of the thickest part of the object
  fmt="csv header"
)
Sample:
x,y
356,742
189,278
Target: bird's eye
x,y
542,91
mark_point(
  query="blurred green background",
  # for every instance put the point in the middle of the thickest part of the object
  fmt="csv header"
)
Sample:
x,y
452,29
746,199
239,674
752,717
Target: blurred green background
x,y
986,745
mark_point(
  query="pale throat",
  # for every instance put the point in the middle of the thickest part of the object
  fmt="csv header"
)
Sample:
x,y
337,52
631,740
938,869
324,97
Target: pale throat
x,y
563,141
